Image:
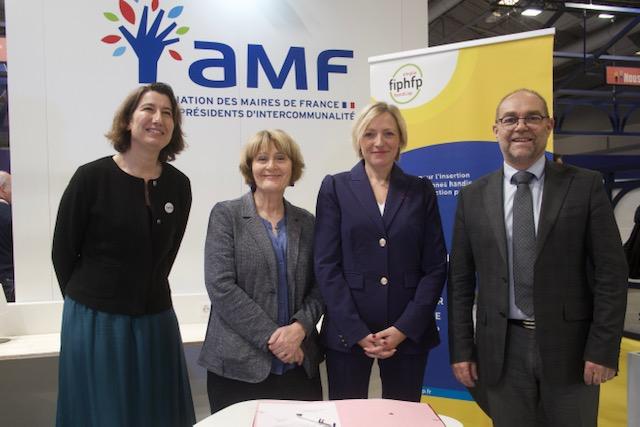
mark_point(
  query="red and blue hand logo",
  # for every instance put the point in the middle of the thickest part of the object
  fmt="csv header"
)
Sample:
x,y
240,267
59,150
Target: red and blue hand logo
x,y
149,42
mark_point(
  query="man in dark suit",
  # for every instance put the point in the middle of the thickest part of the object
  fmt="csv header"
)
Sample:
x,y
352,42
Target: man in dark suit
x,y
536,245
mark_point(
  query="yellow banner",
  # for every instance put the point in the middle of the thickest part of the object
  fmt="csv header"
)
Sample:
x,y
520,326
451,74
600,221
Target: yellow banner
x,y
462,106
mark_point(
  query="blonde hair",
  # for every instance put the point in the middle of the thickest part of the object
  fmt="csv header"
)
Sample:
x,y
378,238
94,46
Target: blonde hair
x,y
262,140
370,112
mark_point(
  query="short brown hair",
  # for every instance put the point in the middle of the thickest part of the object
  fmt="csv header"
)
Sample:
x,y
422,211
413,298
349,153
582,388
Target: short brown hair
x,y
120,135
261,141
525,90
370,112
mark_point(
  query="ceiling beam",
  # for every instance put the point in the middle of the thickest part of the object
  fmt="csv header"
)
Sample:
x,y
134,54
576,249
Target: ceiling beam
x,y
619,35
441,7
596,39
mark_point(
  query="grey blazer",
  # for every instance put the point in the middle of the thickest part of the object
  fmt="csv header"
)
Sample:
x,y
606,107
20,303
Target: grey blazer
x,y
241,279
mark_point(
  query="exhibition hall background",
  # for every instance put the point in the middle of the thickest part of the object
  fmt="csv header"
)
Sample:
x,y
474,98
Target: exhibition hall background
x,y
236,67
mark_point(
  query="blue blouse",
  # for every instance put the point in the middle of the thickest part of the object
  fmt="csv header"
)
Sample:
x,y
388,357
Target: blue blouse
x,y
279,243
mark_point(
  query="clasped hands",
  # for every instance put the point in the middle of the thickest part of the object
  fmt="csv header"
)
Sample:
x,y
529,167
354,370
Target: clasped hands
x,y
285,342
383,344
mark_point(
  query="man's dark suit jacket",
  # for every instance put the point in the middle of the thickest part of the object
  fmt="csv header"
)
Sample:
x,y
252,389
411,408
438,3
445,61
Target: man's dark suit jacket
x,y
580,277
355,247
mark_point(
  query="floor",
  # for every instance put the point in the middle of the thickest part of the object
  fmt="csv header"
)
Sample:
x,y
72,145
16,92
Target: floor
x,y
632,319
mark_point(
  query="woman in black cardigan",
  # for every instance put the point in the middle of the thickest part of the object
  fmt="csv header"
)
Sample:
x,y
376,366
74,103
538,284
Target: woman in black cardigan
x,y
120,224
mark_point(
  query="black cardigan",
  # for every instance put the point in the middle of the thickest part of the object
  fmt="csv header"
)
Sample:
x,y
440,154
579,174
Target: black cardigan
x,y
111,252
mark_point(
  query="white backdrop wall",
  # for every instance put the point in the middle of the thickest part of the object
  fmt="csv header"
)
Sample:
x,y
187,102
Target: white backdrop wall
x,y
65,84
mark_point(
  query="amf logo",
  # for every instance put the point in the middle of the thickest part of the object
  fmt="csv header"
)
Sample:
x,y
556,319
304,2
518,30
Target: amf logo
x,y
148,42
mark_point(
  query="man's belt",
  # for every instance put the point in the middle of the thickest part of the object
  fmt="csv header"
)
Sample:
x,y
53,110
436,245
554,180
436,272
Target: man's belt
x,y
523,323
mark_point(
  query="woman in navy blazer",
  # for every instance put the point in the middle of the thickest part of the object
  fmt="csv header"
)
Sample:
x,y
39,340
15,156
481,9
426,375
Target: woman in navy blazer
x,y
380,262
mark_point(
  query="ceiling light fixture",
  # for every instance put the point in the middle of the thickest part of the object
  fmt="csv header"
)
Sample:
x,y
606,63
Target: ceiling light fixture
x,y
606,16
508,2
602,7
531,12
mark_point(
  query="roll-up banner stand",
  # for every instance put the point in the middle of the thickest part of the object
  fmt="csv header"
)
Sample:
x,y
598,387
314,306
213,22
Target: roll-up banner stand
x,y
448,96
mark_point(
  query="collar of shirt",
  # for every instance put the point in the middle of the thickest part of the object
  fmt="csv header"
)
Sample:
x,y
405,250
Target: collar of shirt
x,y
537,169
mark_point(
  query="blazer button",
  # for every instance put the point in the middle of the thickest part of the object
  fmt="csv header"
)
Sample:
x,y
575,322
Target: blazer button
x,y
158,221
382,242
384,280
155,183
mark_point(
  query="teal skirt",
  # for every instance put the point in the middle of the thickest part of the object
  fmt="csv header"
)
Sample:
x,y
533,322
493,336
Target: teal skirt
x,y
119,370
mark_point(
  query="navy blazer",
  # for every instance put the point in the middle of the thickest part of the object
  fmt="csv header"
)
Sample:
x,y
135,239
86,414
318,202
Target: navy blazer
x,y
379,271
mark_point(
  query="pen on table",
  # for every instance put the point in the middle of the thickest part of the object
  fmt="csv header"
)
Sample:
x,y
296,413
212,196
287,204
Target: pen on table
x,y
320,421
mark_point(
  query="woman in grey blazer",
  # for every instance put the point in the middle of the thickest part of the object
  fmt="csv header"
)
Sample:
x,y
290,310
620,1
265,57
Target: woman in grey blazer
x,y
261,341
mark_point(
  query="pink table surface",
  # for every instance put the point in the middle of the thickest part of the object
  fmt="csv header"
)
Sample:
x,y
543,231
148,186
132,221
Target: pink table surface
x,y
386,413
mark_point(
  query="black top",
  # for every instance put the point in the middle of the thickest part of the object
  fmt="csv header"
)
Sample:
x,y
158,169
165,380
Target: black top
x,y
6,242
110,251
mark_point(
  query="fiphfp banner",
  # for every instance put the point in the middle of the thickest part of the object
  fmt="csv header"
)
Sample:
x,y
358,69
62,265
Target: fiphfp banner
x,y
448,96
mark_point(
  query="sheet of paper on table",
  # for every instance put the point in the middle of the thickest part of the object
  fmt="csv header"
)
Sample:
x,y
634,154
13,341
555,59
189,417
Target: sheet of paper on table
x,y
296,414
346,413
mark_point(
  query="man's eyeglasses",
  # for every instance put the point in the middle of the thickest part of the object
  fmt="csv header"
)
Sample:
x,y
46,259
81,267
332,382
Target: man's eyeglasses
x,y
512,121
